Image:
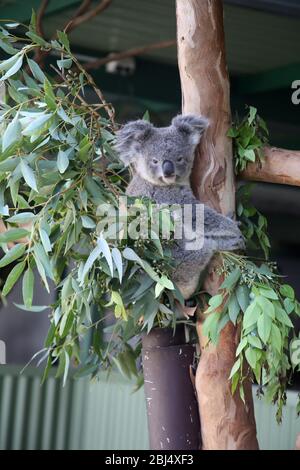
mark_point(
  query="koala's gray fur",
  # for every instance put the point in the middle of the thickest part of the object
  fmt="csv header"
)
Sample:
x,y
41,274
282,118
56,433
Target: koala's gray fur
x,y
162,159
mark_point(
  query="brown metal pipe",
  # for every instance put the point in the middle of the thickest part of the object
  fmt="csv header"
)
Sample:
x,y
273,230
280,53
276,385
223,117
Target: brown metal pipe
x,y
172,409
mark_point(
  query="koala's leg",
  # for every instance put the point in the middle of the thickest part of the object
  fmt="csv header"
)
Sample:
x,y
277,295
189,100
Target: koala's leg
x,y
187,273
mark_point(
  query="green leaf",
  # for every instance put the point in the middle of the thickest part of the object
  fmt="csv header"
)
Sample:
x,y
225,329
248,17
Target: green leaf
x,y
87,222
21,218
264,325
16,252
287,291
167,283
27,287
146,116
36,124
269,293
8,48
215,301
283,317
28,175
251,356
66,324
117,258
14,69
67,365
122,366
159,288
36,71
243,343
41,254
289,305
252,314
64,63
266,306
249,155
232,132
254,341
94,255
235,368
62,161
242,294
64,39
13,234
233,308
12,133
252,114
102,243
276,341
45,240
13,277
36,39
210,326
33,308
130,255
49,95
8,63
120,311
231,279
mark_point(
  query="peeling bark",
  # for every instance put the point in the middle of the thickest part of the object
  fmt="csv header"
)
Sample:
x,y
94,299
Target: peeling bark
x,y
226,423
279,166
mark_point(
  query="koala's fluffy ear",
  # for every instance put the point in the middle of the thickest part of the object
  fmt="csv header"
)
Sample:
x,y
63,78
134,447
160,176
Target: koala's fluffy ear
x,y
191,125
131,138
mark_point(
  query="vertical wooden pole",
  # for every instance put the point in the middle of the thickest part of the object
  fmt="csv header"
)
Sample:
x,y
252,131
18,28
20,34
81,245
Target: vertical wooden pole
x,y
226,422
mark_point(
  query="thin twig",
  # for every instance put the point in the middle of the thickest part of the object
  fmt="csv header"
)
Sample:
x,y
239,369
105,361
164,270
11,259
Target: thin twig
x,y
39,17
95,64
87,15
82,9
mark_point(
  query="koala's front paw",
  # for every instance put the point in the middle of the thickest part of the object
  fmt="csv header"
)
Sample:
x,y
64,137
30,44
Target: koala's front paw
x,y
237,243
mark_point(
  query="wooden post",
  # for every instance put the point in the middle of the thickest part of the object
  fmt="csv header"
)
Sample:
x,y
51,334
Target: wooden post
x,y
226,422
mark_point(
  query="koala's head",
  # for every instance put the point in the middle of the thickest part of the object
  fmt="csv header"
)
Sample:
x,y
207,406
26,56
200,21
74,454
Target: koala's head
x,y
162,156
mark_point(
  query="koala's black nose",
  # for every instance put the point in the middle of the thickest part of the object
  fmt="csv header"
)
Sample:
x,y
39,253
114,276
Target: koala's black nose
x,y
168,168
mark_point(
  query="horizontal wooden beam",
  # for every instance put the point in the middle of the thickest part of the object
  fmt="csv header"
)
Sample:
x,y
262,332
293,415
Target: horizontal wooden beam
x,y
279,166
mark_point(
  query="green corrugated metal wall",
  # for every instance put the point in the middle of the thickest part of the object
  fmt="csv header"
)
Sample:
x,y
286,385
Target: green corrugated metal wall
x,y
82,415
100,415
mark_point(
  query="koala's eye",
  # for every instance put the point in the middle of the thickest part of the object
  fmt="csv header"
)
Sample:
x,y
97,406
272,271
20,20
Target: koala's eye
x,y
154,161
179,160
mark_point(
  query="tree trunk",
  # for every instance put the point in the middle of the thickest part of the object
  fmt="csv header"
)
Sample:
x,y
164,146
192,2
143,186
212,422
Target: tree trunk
x,y
226,423
279,166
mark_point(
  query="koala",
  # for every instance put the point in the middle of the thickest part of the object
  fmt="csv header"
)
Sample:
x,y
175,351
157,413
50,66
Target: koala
x,y
162,160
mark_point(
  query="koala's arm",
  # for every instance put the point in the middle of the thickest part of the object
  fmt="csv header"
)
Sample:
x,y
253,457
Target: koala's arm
x,y
222,230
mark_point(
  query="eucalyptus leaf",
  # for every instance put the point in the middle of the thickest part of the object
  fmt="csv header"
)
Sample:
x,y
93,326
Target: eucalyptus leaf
x,y
12,133
13,277
14,69
264,325
27,287
28,175
13,234
13,254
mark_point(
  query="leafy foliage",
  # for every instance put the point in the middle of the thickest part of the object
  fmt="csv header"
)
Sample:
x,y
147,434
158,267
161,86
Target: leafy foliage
x,y
253,223
250,136
57,165
254,298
